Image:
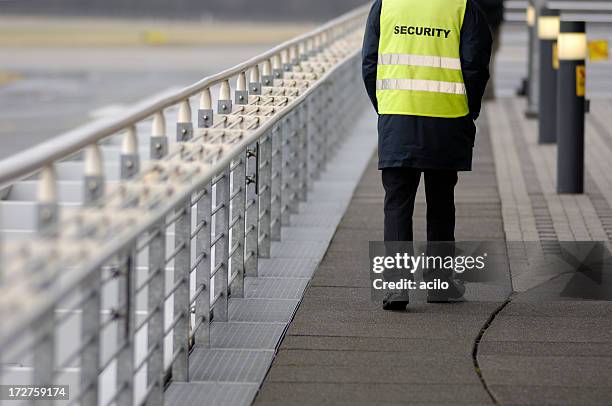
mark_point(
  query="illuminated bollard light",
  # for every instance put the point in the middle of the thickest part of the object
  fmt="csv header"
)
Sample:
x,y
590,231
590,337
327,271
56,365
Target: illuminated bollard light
x,y
184,125
255,81
130,161
548,31
47,202
241,95
94,174
225,99
531,84
159,142
571,107
205,112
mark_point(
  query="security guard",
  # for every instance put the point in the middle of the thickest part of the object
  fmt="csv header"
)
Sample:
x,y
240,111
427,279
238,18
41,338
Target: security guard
x,y
425,68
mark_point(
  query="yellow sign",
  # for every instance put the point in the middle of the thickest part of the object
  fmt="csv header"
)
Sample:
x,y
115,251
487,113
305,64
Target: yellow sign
x,y
598,50
580,80
555,61
155,38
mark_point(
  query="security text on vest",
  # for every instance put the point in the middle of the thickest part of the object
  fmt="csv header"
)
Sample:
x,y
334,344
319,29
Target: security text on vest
x,y
421,31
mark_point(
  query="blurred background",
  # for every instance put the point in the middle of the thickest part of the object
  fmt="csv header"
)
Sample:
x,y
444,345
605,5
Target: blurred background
x,y
66,62
268,10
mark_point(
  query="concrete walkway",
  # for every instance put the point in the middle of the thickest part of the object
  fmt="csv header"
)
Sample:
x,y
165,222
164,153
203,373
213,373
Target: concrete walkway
x,y
343,349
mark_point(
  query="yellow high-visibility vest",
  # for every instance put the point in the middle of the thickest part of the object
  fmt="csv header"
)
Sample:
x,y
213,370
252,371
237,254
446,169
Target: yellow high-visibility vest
x,y
419,66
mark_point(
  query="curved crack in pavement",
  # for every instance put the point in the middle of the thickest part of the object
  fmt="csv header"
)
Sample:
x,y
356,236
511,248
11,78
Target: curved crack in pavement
x,y
481,334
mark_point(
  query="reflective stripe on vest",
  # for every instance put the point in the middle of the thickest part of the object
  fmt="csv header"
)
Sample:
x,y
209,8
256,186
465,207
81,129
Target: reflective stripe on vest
x,y
420,60
421,86
419,66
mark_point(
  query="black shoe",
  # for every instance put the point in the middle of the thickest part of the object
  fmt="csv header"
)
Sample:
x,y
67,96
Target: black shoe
x,y
454,293
395,301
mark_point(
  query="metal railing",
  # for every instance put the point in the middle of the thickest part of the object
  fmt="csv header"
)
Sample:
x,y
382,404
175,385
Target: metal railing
x,y
115,293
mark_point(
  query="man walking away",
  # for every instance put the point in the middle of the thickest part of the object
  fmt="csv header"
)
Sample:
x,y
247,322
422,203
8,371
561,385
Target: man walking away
x,y
494,12
425,68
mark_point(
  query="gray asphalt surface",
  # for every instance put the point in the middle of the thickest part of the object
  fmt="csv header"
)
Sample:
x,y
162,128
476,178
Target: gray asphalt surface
x,y
63,88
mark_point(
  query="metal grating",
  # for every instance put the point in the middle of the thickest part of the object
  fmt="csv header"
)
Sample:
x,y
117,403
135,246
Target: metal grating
x,y
299,249
275,288
229,365
262,310
256,336
307,233
325,206
287,267
210,393
316,220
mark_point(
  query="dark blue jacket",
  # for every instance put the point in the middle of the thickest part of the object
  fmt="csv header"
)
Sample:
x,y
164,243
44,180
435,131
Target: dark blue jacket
x,y
431,142
493,10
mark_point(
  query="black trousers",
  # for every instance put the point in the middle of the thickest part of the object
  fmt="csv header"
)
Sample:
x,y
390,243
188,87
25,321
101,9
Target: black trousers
x,y
401,186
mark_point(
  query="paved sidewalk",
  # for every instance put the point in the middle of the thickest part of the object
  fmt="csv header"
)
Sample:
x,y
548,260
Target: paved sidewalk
x,y
343,349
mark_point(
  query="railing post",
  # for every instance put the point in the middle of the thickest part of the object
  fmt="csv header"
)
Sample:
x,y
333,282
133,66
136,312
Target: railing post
x,y
294,146
47,202
325,135
94,174
276,205
222,194
182,311
277,67
293,181
286,60
202,303
90,336
241,96
90,316
315,131
126,297
265,194
184,125
44,352
182,264
125,330
159,142
302,151
157,285
238,204
267,75
255,81
285,171
205,113
252,212
130,161
222,211
237,218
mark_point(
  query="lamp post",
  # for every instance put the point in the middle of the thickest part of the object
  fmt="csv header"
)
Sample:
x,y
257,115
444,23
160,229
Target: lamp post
x,y
532,68
548,31
571,107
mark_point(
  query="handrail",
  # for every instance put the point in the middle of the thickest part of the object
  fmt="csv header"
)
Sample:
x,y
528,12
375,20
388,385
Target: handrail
x,y
29,161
